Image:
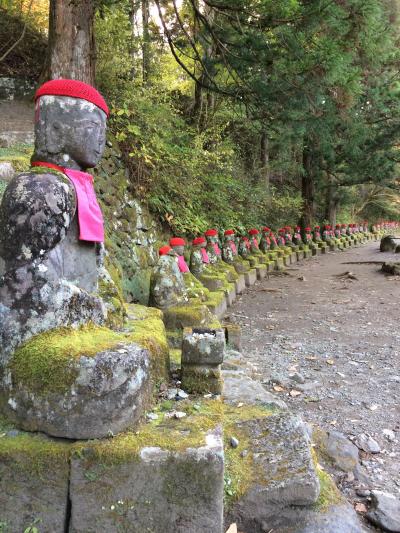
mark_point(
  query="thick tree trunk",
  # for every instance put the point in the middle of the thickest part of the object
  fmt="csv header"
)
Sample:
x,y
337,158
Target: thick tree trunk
x,y
146,52
307,188
71,50
332,201
264,159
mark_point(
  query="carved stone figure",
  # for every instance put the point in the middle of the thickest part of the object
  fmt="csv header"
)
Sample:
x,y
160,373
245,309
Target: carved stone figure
x,y
317,234
244,247
51,221
213,249
229,249
265,241
199,257
167,286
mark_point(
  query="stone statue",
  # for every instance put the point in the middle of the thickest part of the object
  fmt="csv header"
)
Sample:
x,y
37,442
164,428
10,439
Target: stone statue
x,y
199,257
213,249
52,225
297,240
265,241
167,286
244,247
317,234
254,246
229,249
178,246
91,381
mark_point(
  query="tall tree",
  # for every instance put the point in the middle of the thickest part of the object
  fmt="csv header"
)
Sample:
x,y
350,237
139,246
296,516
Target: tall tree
x,y
71,51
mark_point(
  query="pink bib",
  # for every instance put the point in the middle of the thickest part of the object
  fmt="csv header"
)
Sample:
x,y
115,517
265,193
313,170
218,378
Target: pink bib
x,y
91,224
182,264
90,218
204,255
233,247
216,248
255,243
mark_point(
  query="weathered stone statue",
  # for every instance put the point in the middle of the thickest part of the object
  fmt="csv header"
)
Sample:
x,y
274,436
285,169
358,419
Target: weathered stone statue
x,y
229,249
178,246
265,241
213,249
199,257
254,246
56,377
167,286
317,234
52,226
244,247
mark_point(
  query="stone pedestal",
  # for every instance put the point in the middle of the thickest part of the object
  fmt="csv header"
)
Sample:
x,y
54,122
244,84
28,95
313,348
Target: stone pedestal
x,y
250,277
240,284
261,271
202,355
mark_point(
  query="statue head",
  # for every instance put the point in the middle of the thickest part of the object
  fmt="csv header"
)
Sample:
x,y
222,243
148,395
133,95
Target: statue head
x,y
178,245
211,235
229,235
70,124
199,242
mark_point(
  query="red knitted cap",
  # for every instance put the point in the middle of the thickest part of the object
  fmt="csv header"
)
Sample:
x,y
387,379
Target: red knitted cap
x,y
211,233
266,229
338,225
177,241
229,232
198,240
317,227
74,89
308,229
298,228
164,250
253,231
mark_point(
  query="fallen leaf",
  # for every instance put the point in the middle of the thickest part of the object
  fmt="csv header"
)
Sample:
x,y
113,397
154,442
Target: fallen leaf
x,y
294,393
360,507
333,423
278,388
232,529
330,362
240,404
293,368
311,358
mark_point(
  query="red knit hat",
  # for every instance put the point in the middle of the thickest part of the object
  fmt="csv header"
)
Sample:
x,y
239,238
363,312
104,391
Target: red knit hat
x,y
74,89
253,231
164,250
307,228
229,232
344,225
177,241
265,229
198,240
338,225
211,233
317,227
298,228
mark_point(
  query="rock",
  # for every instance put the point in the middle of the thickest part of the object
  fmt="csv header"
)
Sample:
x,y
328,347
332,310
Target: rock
x,y
201,346
339,449
385,511
234,442
297,377
152,416
240,388
389,435
7,170
367,444
150,488
285,470
171,393
103,393
181,395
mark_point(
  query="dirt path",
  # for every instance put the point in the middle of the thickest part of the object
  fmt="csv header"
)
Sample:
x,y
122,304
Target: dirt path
x,y
343,337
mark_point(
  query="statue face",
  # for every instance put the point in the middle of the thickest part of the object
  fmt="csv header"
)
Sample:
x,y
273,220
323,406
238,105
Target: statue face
x,y
69,132
179,249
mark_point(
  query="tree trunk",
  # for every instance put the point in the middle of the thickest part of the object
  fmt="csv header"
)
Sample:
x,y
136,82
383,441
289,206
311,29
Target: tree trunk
x,y
307,188
71,50
332,201
146,52
264,159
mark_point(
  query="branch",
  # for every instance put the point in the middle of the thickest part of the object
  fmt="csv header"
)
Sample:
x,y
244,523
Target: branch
x,y
8,52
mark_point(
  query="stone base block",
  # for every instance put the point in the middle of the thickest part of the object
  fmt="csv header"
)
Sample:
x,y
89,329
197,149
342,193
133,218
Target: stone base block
x,y
233,334
279,264
261,271
123,487
293,258
307,254
250,277
230,295
333,248
211,283
34,479
287,260
253,260
201,379
240,284
217,305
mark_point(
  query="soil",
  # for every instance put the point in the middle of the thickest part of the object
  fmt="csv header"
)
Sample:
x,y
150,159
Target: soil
x,y
341,333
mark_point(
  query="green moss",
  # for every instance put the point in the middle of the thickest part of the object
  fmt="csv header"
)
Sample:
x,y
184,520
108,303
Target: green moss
x,y
329,493
34,454
175,356
202,381
48,362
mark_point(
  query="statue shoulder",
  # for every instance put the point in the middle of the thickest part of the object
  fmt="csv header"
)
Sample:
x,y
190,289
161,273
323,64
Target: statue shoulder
x,y
35,212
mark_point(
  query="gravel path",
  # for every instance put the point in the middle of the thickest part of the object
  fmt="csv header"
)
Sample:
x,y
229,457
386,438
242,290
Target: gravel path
x,y
341,338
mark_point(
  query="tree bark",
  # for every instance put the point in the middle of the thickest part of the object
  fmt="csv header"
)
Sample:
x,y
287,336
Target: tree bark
x,y
146,52
264,159
307,188
71,50
332,201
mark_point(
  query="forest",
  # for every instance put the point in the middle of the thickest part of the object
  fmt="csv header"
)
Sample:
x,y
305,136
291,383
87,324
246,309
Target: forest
x,y
234,113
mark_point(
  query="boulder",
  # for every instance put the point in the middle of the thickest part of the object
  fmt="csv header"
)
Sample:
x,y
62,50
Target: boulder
x,y
238,387
385,511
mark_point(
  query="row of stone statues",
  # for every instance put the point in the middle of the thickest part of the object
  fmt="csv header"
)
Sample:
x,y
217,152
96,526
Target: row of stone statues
x,y
210,254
